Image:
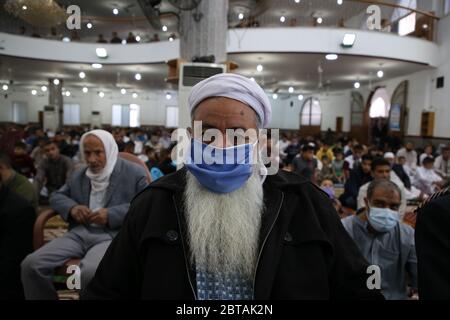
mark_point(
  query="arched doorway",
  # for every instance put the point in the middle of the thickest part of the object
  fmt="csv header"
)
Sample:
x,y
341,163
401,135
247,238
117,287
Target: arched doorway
x,y
379,106
358,124
398,116
310,117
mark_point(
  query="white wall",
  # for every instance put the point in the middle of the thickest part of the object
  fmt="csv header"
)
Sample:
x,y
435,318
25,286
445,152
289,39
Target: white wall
x,y
153,105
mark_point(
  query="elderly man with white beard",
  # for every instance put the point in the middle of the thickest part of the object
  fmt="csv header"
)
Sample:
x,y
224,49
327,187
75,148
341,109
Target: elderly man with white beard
x,y
218,230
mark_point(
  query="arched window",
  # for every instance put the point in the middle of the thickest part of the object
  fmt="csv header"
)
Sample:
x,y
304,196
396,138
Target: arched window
x,y
380,104
311,114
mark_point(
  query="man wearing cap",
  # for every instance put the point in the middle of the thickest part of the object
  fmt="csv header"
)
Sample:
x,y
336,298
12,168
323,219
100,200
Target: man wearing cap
x,y
218,230
94,203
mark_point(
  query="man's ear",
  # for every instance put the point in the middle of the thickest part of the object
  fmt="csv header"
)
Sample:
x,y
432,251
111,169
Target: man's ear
x,y
366,202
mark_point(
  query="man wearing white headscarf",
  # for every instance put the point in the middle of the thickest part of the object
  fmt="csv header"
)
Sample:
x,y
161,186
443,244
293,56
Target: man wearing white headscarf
x,y
94,203
226,230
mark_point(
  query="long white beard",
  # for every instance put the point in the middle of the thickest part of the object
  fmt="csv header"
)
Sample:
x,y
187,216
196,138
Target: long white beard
x,y
223,229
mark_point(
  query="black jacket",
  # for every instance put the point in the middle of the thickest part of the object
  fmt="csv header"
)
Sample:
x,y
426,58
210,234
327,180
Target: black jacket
x,y
305,252
433,249
17,218
401,173
351,188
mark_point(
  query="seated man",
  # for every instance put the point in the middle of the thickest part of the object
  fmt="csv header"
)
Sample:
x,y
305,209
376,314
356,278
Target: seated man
x,y
55,170
426,179
17,218
442,163
385,241
17,182
381,170
305,164
359,176
21,161
224,229
94,202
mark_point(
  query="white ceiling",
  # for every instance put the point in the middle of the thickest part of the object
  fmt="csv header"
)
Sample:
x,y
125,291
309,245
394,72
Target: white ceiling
x,y
280,72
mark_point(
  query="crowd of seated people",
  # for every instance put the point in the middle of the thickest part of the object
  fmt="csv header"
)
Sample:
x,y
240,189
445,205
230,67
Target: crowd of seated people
x,y
45,169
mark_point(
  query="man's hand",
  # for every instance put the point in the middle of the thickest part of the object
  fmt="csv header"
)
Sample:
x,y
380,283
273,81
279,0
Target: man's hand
x,y
99,217
80,213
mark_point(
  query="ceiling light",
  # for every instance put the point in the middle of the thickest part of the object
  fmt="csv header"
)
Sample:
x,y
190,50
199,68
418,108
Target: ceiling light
x,y
357,85
123,91
66,39
282,19
89,25
115,11
331,56
297,1
24,7
164,28
97,65
349,40
300,97
44,88
134,95
33,92
291,89
55,82
170,38
319,20
82,75
5,87
124,41
275,96
253,79
380,74
85,90
168,96
259,68
138,38
241,16
101,52
101,94
138,76
339,2
67,93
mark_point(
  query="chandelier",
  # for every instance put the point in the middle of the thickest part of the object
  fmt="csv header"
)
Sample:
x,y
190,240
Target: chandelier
x,y
38,13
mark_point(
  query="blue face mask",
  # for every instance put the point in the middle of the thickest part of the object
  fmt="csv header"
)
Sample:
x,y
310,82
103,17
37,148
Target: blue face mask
x,y
220,170
329,191
383,219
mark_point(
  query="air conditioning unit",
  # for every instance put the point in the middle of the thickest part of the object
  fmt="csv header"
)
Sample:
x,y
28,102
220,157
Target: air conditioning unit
x,y
51,119
190,75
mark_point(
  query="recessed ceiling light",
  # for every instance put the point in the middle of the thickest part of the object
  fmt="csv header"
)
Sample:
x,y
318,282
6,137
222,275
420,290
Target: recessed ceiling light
x,y
259,68
357,85
164,28
85,90
67,93
44,88
349,40
55,82
282,19
297,1
123,91
97,65
319,20
300,97
331,56
5,87
253,79
89,25
275,96
24,7
168,96
138,38
138,76
101,94
33,92
82,75
425,26
124,41
291,89
241,16
66,39
115,11
171,38
134,95
339,2
380,74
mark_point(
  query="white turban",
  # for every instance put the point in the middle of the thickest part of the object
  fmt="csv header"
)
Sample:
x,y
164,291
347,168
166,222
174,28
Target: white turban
x,y
389,155
100,180
235,87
